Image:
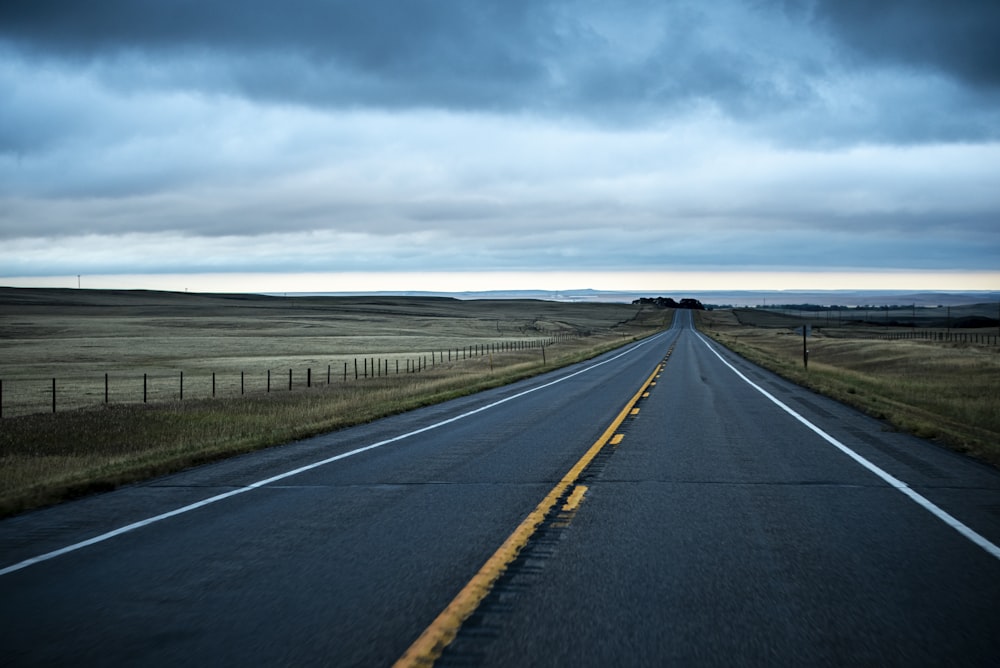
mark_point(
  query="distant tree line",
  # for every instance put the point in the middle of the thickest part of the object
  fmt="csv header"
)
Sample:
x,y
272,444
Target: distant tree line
x,y
669,302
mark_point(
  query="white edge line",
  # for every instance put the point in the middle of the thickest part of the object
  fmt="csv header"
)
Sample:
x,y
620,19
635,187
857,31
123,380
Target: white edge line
x,y
287,474
898,484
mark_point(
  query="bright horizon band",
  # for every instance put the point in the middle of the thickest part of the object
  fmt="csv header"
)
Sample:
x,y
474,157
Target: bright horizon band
x,y
638,281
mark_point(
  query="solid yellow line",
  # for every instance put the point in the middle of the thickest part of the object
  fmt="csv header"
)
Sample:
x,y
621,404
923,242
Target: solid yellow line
x,y
428,647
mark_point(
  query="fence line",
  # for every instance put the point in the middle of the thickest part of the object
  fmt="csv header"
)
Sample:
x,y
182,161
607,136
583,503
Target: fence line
x,y
940,337
50,394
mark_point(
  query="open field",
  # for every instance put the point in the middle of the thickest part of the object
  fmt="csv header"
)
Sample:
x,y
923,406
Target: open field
x,y
970,318
77,337
444,348
944,390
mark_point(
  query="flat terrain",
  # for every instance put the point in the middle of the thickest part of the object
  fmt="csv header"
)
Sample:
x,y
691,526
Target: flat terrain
x,y
712,527
78,336
144,383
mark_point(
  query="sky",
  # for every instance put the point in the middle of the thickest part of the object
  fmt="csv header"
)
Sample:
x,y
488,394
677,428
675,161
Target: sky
x,y
500,144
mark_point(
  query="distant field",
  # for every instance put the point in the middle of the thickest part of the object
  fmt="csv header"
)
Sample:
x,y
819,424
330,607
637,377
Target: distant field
x,y
974,318
948,390
442,347
76,337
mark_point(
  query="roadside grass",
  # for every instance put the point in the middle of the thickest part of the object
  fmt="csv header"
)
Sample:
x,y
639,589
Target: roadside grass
x,y
946,392
46,457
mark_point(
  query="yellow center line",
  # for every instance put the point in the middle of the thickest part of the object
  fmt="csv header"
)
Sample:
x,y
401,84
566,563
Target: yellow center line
x,y
617,438
436,637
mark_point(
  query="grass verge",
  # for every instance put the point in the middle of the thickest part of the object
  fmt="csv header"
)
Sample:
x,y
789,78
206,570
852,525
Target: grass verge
x,y
944,392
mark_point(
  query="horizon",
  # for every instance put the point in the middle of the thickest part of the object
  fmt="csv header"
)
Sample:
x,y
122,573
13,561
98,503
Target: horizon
x,y
741,295
640,284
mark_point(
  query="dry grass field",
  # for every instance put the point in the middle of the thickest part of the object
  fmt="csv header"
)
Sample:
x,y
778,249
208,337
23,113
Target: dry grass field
x,y
78,338
443,347
943,390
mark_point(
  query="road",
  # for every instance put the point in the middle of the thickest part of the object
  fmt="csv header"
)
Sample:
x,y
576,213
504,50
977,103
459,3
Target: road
x,y
664,504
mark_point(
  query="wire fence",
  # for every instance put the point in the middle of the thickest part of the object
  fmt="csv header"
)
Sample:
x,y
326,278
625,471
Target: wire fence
x,y
918,335
25,396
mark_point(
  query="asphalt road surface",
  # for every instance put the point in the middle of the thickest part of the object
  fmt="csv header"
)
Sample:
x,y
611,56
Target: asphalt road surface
x,y
664,504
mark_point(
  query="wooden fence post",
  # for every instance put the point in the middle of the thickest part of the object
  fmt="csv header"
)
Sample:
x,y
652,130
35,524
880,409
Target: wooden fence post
x,y
143,388
182,386
289,380
53,395
105,388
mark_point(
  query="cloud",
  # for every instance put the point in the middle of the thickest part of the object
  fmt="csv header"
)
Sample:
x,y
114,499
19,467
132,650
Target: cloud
x,y
208,136
957,38
221,185
638,63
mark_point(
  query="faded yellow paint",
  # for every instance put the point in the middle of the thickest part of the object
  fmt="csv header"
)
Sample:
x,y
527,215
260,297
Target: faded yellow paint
x,y
428,647
575,499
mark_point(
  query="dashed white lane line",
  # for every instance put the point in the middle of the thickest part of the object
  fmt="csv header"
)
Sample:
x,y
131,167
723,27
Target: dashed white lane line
x,y
893,481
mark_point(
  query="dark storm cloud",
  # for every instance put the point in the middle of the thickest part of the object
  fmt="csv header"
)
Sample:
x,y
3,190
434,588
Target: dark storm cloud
x,y
635,62
959,38
489,55
302,49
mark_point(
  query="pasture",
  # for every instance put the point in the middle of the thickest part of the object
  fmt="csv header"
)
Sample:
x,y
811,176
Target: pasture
x,y
442,348
77,339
